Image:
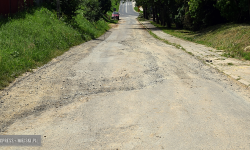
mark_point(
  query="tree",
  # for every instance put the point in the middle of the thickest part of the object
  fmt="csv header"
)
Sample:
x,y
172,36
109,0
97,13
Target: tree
x,y
91,10
234,10
69,7
195,14
105,5
204,13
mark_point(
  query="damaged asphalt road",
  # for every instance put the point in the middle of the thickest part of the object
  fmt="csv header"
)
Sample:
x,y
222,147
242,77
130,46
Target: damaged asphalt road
x,y
127,91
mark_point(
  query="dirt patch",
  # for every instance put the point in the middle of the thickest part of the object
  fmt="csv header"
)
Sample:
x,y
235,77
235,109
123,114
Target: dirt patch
x,y
113,25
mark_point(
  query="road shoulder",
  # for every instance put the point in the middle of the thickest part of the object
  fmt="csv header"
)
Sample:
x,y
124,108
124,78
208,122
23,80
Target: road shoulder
x,y
237,69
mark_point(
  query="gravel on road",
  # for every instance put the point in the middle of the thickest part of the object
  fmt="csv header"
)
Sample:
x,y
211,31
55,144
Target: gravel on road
x,y
127,91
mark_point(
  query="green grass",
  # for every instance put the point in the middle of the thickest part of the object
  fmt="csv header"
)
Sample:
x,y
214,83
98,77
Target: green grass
x,y
29,40
190,53
232,38
165,41
91,30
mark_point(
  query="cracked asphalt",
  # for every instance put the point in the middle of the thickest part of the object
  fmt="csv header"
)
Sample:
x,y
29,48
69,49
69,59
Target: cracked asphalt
x,y
127,90
235,68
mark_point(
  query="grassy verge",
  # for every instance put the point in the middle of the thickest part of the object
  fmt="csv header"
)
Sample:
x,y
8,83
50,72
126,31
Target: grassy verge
x,y
163,40
166,41
232,38
30,40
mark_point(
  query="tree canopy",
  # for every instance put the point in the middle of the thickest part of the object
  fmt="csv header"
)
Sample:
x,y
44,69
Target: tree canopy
x,y
195,14
91,9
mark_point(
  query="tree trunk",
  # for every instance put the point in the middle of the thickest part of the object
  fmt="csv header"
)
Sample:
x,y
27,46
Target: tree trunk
x,y
164,11
162,17
249,8
146,12
10,6
154,13
58,8
167,17
169,22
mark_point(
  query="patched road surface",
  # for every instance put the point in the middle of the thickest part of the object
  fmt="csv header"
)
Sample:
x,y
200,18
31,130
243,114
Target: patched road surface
x,y
127,90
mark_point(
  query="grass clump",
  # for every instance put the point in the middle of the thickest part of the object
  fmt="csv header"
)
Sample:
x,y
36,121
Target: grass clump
x,y
232,38
190,53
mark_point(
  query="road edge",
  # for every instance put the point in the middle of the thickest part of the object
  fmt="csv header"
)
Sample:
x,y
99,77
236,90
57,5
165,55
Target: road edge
x,y
242,82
